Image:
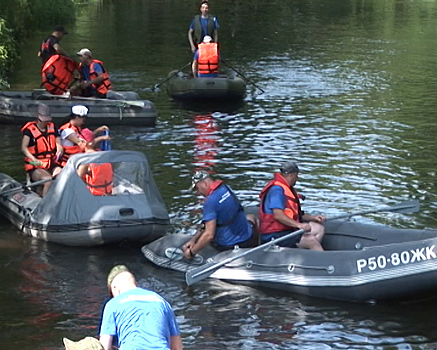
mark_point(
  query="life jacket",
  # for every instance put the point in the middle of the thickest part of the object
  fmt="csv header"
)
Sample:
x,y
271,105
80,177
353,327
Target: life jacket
x,y
70,150
58,74
105,85
198,29
99,181
44,148
268,224
208,58
47,50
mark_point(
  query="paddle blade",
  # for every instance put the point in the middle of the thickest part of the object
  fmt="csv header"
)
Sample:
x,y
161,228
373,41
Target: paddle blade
x,y
200,273
405,207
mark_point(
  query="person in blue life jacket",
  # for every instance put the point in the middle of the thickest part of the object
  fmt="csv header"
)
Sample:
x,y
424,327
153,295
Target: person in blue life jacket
x,y
202,25
139,318
224,220
206,59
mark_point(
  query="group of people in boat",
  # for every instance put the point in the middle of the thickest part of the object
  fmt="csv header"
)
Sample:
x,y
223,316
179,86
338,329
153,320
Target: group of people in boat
x,y
60,73
225,225
47,149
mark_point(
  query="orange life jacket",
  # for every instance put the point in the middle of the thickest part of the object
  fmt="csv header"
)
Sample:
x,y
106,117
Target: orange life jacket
x,y
268,224
44,148
105,85
70,150
99,181
208,58
57,74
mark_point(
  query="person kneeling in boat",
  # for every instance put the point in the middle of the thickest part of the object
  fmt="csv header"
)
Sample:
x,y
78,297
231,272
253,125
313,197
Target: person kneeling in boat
x,y
94,80
225,224
206,59
41,145
98,177
280,212
72,138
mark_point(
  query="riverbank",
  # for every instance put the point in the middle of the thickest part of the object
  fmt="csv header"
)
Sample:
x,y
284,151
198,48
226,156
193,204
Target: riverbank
x,y
19,18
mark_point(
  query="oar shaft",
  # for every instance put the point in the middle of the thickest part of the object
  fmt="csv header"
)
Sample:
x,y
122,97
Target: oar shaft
x,y
33,184
239,73
171,76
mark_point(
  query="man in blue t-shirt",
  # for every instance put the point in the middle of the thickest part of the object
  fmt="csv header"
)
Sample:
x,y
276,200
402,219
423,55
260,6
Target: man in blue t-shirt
x,y
202,25
225,224
140,318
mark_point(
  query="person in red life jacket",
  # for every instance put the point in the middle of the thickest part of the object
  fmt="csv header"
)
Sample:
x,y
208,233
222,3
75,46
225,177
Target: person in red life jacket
x,y
206,59
98,177
94,77
280,212
72,139
41,145
50,46
225,223
202,25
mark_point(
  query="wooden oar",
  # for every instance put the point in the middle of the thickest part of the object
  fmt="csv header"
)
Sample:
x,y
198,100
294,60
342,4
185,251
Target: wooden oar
x,y
33,184
198,274
156,87
250,82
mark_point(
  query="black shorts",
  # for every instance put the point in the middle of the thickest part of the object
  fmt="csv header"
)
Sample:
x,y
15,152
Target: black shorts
x,y
248,243
289,242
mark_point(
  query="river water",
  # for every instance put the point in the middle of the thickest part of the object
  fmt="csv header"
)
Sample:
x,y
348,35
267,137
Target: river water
x,y
349,93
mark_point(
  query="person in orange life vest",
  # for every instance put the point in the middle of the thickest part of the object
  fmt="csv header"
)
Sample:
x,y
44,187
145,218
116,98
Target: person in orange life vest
x,y
50,46
280,212
41,145
72,139
94,77
97,176
202,25
225,223
206,59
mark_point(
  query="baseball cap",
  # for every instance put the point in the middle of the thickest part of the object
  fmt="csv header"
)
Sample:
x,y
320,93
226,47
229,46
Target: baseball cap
x,y
44,113
115,271
289,168
207,39
85,51
88,343
197,177
79,110
60,29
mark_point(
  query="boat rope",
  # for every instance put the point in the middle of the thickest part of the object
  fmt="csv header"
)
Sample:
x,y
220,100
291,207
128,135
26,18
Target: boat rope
x,y
290,267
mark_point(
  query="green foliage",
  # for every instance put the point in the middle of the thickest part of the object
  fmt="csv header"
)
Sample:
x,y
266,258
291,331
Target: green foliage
x,y
8,52
52,11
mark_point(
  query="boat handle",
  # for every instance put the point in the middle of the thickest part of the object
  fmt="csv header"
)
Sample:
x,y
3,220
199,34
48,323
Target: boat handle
x,y
126,212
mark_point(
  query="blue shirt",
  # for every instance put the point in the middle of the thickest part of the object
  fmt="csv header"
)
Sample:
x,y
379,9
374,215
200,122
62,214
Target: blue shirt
x,y
85,73
223,206
141,319
204,25
275,199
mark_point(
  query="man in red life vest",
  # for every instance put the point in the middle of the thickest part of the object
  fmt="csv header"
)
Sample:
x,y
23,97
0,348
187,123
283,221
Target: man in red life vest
x,y
280,212
50,46
94,77
206,59
41,145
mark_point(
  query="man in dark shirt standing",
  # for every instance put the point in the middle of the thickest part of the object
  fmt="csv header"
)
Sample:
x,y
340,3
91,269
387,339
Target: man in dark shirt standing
x,y
50,46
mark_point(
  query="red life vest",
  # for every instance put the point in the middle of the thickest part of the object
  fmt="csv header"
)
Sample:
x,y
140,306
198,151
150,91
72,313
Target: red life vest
x,y
268,224
208,58
70,150
99,181
57,74
105,85
44,148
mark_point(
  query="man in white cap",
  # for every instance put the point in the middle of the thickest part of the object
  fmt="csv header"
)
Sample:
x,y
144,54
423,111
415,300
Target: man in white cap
x,y
280,212
206,59
94,77
139,318
202,25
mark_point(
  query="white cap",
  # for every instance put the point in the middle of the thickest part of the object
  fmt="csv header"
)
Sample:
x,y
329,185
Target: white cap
x,y
85,52
79,110
207,39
